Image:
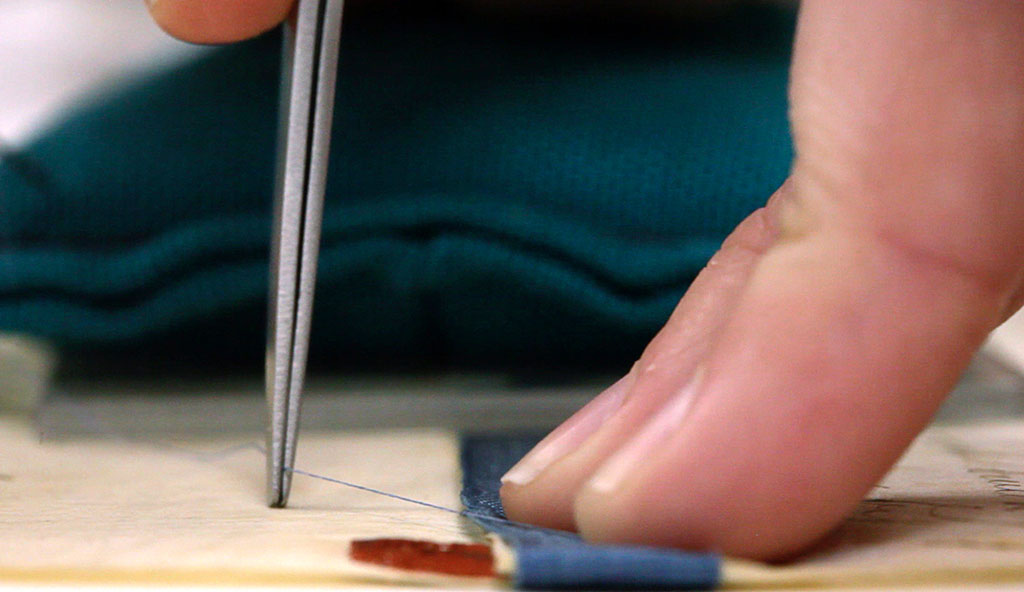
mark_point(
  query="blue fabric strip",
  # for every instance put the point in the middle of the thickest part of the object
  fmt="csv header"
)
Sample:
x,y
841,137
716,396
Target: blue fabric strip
x,y
554,559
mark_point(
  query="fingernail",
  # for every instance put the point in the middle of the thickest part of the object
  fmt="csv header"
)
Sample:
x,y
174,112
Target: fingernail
x,y
568,436
666,423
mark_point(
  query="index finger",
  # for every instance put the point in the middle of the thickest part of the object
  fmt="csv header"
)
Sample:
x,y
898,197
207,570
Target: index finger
x,y
218,21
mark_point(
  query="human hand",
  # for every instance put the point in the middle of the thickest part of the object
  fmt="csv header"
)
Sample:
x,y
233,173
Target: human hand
x,y
832,323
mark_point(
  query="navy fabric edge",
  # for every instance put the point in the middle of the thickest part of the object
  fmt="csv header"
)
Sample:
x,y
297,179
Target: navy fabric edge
x,y
552,559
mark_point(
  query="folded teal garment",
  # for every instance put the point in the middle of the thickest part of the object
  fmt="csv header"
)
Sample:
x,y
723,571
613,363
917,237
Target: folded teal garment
x,y
497,193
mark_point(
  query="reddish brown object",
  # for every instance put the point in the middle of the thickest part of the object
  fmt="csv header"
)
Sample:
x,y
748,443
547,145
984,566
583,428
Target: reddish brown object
x,y
457,559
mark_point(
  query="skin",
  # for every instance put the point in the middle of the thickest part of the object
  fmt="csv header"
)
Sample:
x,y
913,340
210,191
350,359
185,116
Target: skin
x,y
823,336
218,21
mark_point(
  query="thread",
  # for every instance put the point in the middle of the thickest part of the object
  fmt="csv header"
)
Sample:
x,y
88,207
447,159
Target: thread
x,y
372,490
94,425
395,496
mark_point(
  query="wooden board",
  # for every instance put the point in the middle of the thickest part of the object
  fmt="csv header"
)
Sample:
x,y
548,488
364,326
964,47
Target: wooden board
x,y
193,510
190,509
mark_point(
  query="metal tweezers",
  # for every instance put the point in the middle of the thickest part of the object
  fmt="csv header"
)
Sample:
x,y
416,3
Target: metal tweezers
x,y
309,69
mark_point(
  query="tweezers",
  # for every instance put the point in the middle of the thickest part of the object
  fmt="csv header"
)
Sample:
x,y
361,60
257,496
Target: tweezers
x,y
309,69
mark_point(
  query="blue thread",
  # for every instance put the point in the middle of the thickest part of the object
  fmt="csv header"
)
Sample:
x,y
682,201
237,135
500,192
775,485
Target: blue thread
x,y
372,490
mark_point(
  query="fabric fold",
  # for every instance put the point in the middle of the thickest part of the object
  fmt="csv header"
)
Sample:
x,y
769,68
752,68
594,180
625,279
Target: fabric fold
x,y
498,192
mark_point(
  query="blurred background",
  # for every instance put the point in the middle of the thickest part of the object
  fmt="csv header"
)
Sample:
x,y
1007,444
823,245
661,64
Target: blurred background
x,y
58,55
54,51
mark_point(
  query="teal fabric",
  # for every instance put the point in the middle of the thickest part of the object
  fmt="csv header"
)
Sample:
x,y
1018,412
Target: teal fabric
x,y
497,193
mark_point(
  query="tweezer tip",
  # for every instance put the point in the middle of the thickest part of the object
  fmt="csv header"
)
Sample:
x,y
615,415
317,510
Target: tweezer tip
x,y
278,487
277,499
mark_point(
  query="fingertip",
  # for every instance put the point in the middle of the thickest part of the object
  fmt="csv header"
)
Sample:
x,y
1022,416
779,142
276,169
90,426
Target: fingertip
x,y
679,501
796,417
548,495
688,509
606,517
547,499
635,517
217,21
538,507
540,487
